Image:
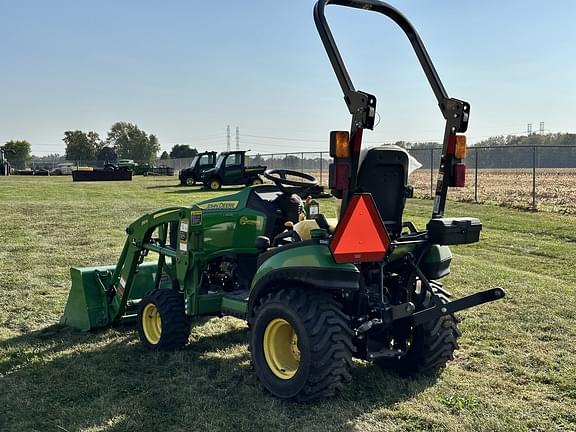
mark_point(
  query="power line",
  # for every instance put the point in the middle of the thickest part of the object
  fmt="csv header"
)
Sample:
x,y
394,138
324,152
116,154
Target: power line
x,y
284,138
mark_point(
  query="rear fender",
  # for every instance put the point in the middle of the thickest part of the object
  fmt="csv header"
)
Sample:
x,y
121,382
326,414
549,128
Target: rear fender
x,y
305,264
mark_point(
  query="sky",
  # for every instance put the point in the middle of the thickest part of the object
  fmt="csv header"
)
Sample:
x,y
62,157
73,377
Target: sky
x,y
184,70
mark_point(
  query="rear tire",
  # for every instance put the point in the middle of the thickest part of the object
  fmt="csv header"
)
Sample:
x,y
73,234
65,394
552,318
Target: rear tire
x,y
215,184
162,322
432,346
301,344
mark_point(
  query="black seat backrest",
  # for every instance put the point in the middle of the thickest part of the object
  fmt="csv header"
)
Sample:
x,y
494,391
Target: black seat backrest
x,y
384,174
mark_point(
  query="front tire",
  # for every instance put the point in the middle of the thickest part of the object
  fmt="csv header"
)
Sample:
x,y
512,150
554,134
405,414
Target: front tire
x,y
162,322
190,181
301,344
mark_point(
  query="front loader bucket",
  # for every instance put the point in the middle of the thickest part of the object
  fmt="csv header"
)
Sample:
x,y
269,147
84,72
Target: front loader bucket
x,y
88,303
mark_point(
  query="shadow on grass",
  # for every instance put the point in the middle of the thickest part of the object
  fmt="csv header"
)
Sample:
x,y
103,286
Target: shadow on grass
x,y
166,186
189,189
59,379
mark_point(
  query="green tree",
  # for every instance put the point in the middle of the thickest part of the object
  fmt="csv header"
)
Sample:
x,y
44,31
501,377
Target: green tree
x,y
17,152
182,151
164,155
106,154
130,142
81,146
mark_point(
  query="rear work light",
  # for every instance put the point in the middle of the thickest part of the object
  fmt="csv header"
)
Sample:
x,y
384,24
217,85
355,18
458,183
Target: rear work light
x,y
340,144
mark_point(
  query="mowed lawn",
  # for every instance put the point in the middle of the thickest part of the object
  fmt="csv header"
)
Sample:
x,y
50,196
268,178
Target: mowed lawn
x,y
515,370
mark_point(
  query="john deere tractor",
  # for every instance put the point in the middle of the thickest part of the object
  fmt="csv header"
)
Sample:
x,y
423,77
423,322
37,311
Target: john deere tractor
x,y
315,292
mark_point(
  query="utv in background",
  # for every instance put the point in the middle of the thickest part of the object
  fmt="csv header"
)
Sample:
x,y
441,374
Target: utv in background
x,y
231,169
201,162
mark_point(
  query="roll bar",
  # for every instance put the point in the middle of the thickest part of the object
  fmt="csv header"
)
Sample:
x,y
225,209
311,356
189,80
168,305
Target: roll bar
x,y
362,105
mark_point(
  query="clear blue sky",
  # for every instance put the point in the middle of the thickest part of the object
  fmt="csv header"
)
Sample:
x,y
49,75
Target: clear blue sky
x,y
183,70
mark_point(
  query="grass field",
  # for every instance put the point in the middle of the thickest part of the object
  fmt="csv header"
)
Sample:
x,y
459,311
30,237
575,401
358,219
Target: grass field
x,y
515,371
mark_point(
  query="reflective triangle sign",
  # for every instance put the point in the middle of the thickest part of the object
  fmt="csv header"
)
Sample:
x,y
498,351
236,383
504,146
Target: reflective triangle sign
x,y
361,235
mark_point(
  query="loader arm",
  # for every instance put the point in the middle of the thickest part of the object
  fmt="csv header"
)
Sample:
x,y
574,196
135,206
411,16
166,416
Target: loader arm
x,y
183,248
102,296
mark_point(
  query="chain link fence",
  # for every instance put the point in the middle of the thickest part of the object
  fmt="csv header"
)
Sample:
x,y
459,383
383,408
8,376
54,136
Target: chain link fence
x,y
530,177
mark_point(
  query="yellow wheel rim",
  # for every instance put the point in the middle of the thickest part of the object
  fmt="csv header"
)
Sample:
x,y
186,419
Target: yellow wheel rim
x,y
281,348
214,184
151,323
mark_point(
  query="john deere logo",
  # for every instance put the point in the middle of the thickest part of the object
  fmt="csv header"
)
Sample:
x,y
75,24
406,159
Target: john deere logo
x,y
219,205
245,221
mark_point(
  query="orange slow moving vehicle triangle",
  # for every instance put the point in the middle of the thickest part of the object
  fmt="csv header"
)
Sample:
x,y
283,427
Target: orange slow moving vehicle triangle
x,y
361,236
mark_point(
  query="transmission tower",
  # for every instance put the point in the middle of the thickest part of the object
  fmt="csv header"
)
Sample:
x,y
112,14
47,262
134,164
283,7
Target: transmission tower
x,y
541,128
228,138
529,128
237,138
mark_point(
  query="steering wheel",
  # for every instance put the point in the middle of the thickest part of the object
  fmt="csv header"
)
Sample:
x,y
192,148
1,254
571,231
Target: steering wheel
x,y
280,178
287,237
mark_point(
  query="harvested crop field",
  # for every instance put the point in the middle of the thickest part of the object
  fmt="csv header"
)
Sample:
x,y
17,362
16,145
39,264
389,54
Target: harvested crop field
x,y
555,188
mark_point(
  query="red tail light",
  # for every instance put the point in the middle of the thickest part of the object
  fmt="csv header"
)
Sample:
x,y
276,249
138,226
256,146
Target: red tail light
x,y
338,175
459,175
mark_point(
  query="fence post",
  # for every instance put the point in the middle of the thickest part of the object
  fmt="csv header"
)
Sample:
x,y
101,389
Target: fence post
x,y
476,175
321,168
534,177
432,172
302,162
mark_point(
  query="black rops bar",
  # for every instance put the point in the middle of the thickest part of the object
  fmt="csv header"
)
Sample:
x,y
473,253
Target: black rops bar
x,y
362,105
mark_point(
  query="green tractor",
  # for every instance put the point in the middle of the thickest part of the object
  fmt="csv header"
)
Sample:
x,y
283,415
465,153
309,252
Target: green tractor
x,y
315,292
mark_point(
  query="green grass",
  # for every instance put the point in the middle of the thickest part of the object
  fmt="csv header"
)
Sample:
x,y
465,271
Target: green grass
x,y
515,371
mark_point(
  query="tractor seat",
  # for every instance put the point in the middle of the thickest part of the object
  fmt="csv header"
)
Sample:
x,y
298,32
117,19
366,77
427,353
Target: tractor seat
x,y
384,174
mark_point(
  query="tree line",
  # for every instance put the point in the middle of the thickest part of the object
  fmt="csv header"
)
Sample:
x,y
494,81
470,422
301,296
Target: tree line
x,y
127,141
556,150
124,140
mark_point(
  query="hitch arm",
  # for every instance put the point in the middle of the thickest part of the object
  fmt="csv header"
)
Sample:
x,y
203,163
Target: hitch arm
x,y
472,300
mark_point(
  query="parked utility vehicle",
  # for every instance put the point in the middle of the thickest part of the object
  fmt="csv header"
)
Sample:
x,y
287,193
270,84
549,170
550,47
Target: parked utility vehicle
x,y
231,169
64,168
201,162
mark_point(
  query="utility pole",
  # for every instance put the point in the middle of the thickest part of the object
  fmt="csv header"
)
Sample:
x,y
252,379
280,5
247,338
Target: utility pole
x,y
237,138
228,138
